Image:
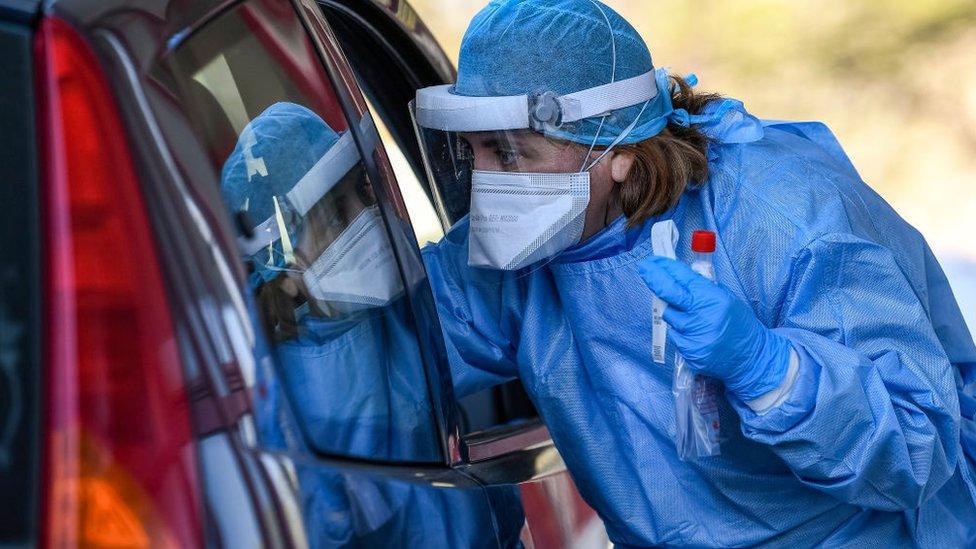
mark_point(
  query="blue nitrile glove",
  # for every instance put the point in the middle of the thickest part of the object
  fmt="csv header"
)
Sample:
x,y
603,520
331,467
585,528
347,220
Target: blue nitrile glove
x,y
717,334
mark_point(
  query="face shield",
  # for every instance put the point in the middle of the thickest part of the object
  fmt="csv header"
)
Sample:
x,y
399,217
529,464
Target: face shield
x,y
523,161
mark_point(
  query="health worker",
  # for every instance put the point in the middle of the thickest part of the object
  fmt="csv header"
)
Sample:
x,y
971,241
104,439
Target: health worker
x,y
849,375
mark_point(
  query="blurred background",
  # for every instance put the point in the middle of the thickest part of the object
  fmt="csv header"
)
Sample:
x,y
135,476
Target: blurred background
x,y
894,79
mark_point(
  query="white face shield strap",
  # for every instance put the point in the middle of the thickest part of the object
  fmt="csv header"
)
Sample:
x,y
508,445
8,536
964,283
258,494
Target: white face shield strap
x,y
438,108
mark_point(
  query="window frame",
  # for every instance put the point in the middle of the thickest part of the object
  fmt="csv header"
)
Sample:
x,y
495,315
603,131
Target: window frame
x,y
378,170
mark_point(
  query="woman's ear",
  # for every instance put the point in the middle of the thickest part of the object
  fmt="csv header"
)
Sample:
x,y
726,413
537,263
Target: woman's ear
x,y
620,164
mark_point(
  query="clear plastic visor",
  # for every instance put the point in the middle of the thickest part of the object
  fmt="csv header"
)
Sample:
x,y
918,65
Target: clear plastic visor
x,y
451,158
521,151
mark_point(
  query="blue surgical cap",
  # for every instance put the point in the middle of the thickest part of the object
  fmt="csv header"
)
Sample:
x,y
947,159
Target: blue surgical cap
x,y
516,47
272,154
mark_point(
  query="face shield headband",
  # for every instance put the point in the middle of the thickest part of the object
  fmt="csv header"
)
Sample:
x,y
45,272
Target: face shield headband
x,y
439,108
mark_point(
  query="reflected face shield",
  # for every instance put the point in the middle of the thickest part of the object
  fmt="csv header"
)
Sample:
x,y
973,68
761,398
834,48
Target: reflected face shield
x,y
327,231
343,253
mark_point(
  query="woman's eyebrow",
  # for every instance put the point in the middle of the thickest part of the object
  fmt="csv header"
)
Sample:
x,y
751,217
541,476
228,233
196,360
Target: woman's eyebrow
x,y
510,141
523,143
480,139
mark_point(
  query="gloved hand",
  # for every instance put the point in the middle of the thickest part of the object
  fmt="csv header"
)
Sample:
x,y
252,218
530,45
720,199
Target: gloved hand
x,y
717,334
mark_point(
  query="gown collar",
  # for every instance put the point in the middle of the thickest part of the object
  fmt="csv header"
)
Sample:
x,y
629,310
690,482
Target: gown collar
x,y
613,246
724,122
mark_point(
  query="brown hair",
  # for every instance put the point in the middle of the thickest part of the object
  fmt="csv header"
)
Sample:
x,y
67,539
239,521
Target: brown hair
x,y
666,163
278,310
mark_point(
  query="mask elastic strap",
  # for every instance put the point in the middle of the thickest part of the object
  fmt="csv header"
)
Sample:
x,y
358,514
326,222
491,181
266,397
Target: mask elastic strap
x,y
613,78
680,117
623,135
599,128
613,42
661,89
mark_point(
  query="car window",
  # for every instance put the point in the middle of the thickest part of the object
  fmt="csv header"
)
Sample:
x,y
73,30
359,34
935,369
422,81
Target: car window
x,y
390,80
426,225
321,268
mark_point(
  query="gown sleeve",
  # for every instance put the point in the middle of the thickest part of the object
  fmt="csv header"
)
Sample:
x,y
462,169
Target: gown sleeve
x,y
873,417
478,313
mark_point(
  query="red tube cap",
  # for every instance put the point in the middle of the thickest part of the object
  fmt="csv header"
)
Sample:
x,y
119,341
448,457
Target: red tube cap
x,y
703,242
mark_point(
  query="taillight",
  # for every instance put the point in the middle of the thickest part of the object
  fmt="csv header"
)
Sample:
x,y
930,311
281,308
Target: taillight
x,y
119,459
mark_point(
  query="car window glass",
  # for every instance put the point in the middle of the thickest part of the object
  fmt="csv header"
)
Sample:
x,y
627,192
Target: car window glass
x,y
426,224
387,85
321,267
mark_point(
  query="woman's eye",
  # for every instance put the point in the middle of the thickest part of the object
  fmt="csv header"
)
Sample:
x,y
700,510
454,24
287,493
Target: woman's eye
x,y
507,158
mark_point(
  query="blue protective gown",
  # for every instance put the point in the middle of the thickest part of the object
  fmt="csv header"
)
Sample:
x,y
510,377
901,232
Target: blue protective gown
x,y
358,385
355,386
865,451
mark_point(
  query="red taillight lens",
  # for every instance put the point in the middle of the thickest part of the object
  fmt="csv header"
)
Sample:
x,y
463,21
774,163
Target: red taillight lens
x,y
119,459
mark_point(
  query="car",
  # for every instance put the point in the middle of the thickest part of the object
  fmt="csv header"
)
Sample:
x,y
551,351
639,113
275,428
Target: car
x,y
143,399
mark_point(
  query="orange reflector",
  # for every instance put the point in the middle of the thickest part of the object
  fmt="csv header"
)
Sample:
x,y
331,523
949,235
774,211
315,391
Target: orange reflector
x,y
107,520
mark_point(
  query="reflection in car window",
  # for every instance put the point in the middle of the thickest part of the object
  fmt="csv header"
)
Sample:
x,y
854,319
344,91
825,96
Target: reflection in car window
x,y
423,217
321,266
500,402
